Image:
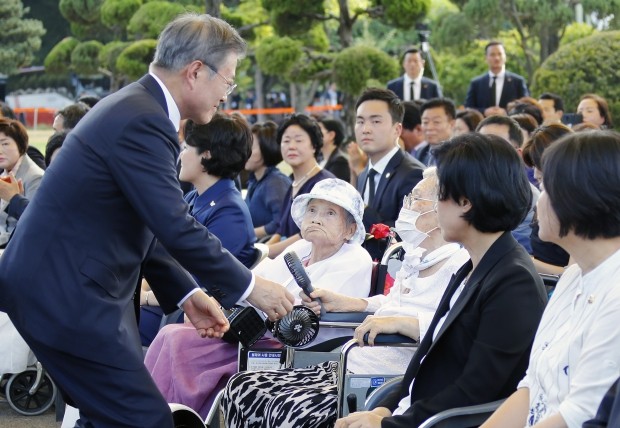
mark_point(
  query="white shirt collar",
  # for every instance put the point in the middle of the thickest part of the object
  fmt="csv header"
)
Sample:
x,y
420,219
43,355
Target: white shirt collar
x,y
382,164
173,111
499,75
408,79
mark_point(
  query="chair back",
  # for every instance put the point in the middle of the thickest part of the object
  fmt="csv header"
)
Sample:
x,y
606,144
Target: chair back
x,y
386,271
261,252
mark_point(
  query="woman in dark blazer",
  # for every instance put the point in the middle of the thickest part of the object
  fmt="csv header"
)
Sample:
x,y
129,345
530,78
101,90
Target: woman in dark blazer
x,y
477,345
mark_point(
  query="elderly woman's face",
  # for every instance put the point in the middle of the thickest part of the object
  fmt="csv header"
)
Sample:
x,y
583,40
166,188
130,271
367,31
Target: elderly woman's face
x,y
325,224
9,152
423,199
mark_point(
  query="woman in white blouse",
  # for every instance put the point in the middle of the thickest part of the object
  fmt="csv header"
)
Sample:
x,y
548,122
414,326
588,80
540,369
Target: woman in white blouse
x,y
429,264
575,357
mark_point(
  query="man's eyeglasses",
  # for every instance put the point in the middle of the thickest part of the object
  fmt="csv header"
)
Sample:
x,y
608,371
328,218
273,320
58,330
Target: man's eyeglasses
x,y
231,85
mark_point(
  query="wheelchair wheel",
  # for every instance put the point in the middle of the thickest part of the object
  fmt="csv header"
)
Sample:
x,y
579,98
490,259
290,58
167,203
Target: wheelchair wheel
x,y
27,398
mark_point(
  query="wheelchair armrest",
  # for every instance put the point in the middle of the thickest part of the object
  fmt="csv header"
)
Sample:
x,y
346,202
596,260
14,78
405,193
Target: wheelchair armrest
x,y
379,394
390,339
343,319
462,416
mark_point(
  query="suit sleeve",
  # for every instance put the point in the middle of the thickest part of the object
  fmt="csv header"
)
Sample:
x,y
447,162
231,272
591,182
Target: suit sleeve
x,y
17,205
471,99
142,162
162,271
523,91
507,303
408,182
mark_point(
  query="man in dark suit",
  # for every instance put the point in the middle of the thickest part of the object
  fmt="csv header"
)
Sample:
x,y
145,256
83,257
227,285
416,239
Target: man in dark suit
x,y
438,116
390,173
490,92
111,204
412,85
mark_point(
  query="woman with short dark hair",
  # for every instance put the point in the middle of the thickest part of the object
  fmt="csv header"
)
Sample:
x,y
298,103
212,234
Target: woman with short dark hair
x,y
575,356
267,186
15,165
212,156
476,347
548,257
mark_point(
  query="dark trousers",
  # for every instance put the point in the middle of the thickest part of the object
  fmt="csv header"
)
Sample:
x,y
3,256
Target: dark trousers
x,y
106,396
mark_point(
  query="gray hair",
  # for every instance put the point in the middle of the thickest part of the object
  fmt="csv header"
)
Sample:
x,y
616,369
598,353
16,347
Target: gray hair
x,y
191,37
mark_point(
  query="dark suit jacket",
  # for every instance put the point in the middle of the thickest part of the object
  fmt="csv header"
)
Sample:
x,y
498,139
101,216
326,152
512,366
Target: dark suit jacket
x,y
482,349
400,176
338,164
608,413
429,88
479,92
68,275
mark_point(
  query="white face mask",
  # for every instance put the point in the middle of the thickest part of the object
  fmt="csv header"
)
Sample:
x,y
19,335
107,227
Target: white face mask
x,y
406,228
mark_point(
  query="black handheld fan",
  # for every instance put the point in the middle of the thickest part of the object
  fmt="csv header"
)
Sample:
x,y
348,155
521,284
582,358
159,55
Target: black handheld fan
x,y
299,274
298,328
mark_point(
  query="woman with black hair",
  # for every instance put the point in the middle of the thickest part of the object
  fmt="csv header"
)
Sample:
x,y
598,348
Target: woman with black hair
x,y
476,347
300,142
211,157
267,186
575,356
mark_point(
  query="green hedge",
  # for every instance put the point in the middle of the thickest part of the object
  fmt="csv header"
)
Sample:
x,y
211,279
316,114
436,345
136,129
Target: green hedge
x,y
589,65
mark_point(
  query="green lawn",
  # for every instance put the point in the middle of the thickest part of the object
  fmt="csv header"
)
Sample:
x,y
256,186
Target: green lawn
x,y
38,137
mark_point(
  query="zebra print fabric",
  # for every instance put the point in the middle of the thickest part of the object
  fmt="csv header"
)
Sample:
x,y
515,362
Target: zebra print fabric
x,y
299,398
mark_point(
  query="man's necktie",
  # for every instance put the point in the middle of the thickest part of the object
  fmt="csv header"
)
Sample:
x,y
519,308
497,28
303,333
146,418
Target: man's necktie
x,y
494,92
411,91
371,186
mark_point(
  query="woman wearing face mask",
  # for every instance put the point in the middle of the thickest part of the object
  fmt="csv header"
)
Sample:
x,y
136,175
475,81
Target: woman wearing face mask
x,y
427,268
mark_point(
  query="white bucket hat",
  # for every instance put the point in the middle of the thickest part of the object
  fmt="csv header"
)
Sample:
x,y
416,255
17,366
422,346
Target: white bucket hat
x,y
338,192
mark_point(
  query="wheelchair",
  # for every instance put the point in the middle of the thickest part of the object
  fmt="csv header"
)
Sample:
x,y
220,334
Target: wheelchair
x,y
31,392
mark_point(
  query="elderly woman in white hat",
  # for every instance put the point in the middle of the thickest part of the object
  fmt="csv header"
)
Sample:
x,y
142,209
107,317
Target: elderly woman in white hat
x,y
191,370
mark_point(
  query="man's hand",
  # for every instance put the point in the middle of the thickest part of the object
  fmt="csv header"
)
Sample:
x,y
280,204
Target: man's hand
x,y
373,325
364,419
271,298
332,301
205,314
9,187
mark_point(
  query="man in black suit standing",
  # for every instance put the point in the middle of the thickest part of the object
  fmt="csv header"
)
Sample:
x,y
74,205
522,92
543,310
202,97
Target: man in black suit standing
x,y
490,92
412,85
391,173
110,205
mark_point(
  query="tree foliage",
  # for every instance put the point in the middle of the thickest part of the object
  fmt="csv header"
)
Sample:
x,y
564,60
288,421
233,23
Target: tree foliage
x,y
151,19
584,66
81,11
133,61
115,14
85,57
540,25
356,66
59,58
20,38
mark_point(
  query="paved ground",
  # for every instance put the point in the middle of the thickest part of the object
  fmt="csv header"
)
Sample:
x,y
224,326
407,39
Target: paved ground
x,y
9,418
